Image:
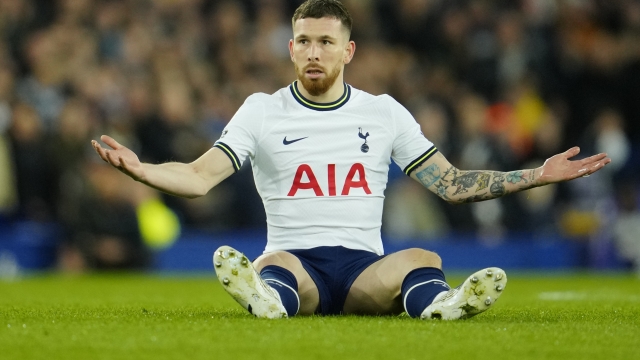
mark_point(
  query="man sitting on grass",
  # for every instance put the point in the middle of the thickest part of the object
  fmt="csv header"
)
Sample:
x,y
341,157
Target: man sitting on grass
x,y
320,151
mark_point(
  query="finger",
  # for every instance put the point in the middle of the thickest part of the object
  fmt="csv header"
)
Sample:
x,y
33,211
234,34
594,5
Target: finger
x,y
111,142
592,159
99,150
592,168
572,152
581,173
111,159
599,165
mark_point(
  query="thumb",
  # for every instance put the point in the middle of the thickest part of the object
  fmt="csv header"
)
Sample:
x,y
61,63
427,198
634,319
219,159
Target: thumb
x,y
572,152
127,169
124,165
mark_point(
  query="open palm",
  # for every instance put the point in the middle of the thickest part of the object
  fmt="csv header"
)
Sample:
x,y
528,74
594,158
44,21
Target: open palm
x,y
559,168
120,157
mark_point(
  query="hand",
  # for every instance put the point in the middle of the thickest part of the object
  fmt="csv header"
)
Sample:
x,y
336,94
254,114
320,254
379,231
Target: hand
x,y
120,157
559,168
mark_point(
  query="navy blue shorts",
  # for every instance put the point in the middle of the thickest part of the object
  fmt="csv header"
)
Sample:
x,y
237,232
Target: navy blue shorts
x,y
334,269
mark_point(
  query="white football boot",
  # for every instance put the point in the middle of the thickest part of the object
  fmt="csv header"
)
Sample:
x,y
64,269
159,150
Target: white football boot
x,y
475,295
238,277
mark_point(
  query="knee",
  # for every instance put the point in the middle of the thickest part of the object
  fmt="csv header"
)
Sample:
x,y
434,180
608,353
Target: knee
x,y
422,258
278,258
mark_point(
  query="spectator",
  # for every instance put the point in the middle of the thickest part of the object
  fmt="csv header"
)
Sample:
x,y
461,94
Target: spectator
x,y
7,182
514,81
102,230
34,173
627,226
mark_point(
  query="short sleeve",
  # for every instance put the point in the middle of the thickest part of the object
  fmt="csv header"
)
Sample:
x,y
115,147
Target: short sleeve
x,y
410,147
239,138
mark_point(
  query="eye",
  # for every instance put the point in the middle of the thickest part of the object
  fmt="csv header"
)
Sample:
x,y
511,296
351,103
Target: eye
x,y
303,41
326,42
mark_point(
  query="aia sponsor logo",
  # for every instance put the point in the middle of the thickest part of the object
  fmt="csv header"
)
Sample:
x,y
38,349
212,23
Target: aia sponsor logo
x,y
356,178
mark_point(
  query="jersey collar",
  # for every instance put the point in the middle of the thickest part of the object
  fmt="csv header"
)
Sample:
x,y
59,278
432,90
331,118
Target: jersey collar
x,y
320,106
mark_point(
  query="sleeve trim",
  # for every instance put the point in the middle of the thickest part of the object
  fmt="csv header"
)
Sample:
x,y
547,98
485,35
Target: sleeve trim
x,y
232,155
420,160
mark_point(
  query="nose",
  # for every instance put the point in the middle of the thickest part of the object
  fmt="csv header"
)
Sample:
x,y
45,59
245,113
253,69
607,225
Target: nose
x,y
314,53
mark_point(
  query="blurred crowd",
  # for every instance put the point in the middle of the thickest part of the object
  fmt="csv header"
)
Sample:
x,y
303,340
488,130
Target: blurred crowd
x,y
498,85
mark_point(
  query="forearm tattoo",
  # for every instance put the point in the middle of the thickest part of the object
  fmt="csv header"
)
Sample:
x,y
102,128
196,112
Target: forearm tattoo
x,y
470,186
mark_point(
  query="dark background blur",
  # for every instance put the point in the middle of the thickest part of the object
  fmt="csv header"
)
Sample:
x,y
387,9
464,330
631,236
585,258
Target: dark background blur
x,y
494,84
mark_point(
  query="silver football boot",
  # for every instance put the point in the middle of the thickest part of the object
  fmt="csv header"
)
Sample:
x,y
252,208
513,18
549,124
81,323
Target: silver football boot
x,y
475,295
238,277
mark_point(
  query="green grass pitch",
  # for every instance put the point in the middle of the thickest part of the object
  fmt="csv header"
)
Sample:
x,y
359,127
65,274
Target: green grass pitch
x,y
124,316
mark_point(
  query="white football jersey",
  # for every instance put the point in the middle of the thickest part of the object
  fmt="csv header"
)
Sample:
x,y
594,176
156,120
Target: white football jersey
x,y
321,169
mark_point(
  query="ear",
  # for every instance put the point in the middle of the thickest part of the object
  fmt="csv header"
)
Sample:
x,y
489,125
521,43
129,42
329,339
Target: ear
x,y
349,50
291,49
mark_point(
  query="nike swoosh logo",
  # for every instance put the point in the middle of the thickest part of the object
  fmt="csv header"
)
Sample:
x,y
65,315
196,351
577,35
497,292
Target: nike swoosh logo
x,y
287,142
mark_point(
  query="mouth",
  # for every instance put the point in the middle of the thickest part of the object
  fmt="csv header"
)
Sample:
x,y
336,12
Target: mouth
x,y
314,72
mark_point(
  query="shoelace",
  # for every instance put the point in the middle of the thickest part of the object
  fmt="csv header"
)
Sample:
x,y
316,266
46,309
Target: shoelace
x,y
451,293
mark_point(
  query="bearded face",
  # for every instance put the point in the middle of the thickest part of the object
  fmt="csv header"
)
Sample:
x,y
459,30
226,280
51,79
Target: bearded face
x,y
315,79
319,50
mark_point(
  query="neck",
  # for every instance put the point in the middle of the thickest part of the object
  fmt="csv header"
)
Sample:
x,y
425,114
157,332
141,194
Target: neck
x,y
334,93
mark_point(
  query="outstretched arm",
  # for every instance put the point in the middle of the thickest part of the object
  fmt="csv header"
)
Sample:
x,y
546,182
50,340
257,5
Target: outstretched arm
x,y
460,186
186,180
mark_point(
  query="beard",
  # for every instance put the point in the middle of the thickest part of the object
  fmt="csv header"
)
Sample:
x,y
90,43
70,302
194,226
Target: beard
x,y
317,87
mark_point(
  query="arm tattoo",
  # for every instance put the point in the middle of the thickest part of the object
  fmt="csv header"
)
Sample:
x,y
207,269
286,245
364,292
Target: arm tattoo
x,y
466,180
497,188
515,177
430,175
483,181
450,170
441,189
470,186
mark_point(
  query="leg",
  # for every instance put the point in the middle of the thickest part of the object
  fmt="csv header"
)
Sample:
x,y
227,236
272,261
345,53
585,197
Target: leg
x,y
307,290
274,297
240,280
377,290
